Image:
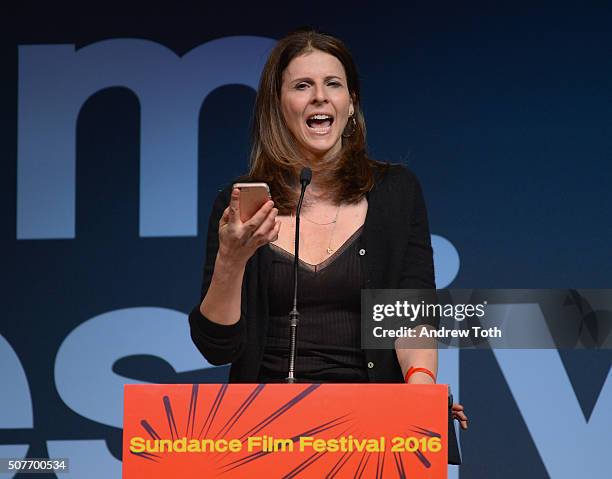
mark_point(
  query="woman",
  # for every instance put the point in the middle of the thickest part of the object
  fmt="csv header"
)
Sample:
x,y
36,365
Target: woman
x,y
364,226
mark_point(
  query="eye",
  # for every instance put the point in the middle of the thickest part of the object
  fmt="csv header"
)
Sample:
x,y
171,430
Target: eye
x,y
301,86
335,84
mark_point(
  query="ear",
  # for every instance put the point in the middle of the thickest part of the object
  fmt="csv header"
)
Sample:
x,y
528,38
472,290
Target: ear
x,y
351,107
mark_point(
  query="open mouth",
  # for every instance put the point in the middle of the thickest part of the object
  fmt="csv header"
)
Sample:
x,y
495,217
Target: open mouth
x,y
320,123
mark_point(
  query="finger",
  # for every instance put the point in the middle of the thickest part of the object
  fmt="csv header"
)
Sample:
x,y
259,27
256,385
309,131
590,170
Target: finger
x,y
463,421
225,217
262,234
258,218
460,416
234,206
273,236
265,232
457,407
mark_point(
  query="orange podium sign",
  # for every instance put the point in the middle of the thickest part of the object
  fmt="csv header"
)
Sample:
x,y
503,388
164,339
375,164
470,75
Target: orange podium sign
x,y
285,431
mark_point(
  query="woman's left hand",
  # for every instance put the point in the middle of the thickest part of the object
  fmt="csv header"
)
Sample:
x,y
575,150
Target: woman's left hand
x,y
459,415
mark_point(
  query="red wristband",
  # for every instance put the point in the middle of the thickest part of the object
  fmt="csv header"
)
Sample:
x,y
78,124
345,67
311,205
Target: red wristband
x,y
412,370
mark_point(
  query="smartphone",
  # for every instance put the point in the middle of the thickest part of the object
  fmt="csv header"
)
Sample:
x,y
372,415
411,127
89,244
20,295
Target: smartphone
x,y
252,197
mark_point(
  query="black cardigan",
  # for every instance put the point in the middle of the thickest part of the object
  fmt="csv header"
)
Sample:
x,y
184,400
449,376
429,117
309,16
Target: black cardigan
x,y
395,248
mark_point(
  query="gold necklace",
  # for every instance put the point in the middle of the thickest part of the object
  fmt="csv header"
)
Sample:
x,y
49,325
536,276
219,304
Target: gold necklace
x,y
322,224
329,249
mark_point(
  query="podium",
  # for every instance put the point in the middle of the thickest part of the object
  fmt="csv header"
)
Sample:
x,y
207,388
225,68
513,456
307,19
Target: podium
x,y
285,431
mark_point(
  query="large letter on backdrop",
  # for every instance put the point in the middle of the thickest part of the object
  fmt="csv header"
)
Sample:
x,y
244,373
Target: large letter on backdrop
x,y
15,400
88,386
55,81
569,445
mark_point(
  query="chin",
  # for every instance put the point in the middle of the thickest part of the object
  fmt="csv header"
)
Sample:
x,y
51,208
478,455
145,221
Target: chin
x,y
321,149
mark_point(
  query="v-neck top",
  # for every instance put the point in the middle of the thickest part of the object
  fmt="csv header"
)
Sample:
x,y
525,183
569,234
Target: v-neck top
x,y
394,251
328,336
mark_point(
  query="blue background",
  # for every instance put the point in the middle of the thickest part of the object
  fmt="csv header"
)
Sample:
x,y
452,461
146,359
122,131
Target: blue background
x,y
503,113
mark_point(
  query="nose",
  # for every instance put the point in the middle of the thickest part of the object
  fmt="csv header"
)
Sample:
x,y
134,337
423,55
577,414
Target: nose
x,y
319,94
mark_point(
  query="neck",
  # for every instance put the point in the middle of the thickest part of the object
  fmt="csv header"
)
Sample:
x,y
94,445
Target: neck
x,y
318,190
320,163
317,197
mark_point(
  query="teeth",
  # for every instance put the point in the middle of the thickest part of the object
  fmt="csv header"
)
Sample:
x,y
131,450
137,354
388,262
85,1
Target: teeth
x,y
320,117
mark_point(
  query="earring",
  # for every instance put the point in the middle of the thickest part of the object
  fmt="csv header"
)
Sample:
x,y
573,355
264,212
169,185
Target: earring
x,y
353,128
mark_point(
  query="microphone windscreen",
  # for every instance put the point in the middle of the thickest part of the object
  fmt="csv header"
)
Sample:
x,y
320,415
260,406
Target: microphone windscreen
x,y
305,176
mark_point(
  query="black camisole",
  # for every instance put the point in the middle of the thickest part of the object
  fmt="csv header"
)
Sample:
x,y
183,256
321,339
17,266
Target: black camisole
x,y
328,335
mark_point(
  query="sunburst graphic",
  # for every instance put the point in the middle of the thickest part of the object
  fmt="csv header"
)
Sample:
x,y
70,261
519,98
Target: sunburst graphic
x,y
254,416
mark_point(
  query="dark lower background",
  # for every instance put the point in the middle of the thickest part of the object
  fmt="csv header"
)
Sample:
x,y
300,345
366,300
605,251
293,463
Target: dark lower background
x,y
504,113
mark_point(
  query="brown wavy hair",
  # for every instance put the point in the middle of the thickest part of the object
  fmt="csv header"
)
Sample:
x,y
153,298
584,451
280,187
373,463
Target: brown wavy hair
x,y
275,157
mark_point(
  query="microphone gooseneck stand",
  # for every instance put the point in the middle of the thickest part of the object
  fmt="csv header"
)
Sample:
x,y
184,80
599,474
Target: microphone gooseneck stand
x,y
305,178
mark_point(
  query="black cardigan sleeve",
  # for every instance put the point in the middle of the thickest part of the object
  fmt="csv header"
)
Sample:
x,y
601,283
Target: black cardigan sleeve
x,y
219,344
418,267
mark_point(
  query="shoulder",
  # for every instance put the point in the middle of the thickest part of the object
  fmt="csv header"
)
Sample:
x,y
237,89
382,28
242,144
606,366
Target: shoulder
x,y
395,178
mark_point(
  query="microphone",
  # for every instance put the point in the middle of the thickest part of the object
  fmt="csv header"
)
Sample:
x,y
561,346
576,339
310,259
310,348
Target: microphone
x,y
305,178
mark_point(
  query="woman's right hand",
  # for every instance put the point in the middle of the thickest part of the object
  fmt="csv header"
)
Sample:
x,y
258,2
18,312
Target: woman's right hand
x,y
238,241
